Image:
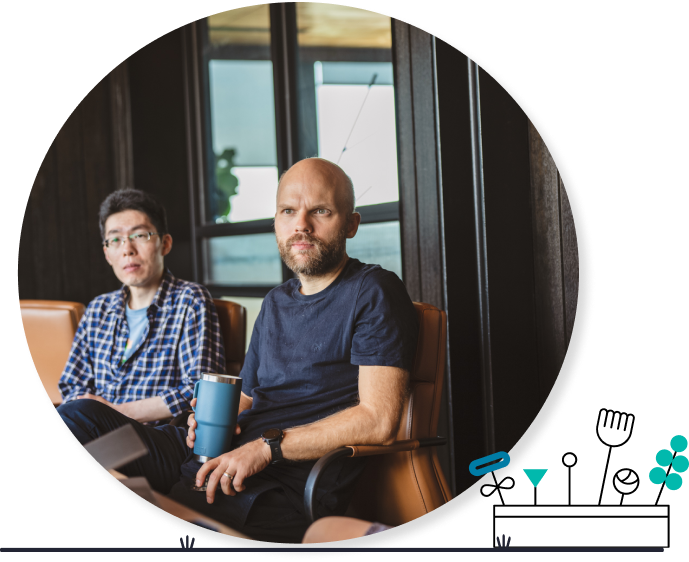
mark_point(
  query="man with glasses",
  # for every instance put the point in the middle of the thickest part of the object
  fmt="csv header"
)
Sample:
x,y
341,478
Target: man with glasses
x,y
141,349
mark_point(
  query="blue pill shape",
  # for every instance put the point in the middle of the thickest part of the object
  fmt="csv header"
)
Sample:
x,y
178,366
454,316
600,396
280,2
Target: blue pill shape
x,y
484,465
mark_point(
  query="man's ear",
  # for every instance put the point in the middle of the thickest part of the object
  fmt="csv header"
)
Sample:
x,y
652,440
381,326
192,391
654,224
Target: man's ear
x,y
167,244
353,224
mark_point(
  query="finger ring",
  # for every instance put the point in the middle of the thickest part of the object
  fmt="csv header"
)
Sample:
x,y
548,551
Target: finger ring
x,y
228,475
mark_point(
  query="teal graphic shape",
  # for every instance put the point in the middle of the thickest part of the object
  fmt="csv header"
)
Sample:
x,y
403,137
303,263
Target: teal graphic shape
x,y
677,482
490,463
680,444
542,478
656,476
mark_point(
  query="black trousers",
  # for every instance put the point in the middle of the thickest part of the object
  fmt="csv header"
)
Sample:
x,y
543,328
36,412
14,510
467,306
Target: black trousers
x,y
262,511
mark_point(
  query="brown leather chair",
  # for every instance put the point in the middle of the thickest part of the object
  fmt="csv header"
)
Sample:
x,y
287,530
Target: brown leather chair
x,y
50,327
232,317
404,480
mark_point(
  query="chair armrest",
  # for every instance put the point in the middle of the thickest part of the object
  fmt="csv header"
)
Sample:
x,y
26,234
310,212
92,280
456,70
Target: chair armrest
x,y
357,451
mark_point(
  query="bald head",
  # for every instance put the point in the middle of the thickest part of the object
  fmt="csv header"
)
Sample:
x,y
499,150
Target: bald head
x,y
323,172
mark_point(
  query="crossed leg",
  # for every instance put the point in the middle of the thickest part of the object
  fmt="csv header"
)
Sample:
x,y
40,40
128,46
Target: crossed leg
x,y
89,419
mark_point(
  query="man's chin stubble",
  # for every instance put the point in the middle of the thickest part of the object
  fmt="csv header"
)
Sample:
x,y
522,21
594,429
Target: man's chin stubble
x,y
326,259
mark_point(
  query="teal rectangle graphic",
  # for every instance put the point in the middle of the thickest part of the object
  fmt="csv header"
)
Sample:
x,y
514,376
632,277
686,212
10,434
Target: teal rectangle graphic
x,y
490,463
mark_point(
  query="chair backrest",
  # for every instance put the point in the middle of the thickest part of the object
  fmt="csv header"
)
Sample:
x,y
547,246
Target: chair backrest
x,y
50,327
232,317
397,488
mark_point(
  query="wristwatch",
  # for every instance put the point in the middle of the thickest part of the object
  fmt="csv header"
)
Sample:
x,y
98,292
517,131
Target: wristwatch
x,y
273,437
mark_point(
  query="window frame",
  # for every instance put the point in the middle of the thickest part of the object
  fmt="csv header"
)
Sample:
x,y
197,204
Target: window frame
x,y
283,54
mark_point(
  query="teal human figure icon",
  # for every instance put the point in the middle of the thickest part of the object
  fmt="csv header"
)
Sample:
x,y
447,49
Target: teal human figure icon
x,y
656,476
625,481
569,460
535,475
672,461
677,482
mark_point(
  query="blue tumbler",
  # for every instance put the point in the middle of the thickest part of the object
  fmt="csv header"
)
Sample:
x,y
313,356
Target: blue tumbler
x,y
217,404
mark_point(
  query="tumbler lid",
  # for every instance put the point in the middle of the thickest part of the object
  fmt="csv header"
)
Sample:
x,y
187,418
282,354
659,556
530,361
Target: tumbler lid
x,y
227,379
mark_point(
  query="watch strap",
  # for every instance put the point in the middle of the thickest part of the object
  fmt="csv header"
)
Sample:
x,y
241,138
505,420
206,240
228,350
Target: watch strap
x,y
275,448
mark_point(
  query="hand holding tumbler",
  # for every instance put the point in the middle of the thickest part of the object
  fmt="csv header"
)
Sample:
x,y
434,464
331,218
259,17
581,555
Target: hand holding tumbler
x,y
217,404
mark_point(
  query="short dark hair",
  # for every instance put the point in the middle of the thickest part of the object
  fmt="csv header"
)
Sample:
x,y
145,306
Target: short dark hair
x,y
134,200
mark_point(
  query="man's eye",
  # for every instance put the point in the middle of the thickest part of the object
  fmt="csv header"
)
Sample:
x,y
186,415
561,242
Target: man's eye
x,y
115,240
321,211
287,211
138,236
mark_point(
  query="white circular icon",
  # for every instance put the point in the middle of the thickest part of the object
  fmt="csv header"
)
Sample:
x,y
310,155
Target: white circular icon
x,y
626,481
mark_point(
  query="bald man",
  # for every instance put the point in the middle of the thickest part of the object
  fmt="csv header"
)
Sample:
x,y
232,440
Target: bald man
x,y
328,365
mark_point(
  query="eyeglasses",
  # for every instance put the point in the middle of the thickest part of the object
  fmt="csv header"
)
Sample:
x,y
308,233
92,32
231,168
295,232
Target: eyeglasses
x,y
136,239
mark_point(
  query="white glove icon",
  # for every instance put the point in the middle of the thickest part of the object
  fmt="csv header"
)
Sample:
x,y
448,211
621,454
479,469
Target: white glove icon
x,y
613,428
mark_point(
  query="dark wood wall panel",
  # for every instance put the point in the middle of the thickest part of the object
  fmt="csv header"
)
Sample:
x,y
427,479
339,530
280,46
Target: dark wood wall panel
x,y
420,187
515,366
418,161
43,239
461,266
550,298
99,181
129,131
156,78
71,192
406,162
426,156
120,110
570,262
60,251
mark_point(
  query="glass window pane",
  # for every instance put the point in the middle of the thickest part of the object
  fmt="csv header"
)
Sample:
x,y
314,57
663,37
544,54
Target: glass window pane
x,y
246,260
242,165
346,96
378,243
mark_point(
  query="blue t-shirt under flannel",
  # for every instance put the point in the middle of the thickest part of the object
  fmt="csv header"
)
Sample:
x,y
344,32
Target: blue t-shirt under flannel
x,y
138,322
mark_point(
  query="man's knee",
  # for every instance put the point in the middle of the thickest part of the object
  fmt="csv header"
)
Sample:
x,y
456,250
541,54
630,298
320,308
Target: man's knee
x,y
80,409
89,419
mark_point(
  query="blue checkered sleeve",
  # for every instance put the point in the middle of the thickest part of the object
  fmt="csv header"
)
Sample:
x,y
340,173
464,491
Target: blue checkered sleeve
x,y
78,376
200,351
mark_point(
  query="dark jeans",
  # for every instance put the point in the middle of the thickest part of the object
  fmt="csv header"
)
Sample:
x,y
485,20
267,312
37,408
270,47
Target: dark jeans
x,y
262,511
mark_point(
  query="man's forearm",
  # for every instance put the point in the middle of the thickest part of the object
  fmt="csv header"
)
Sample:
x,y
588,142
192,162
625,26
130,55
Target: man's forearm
x,y
374,421
146,410
359,425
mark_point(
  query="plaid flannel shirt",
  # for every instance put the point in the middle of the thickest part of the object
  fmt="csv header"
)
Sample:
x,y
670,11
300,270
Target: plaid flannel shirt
x,y
182,341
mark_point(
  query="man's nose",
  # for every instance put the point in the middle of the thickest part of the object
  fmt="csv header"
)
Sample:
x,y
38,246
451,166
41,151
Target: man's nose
x,y
128,248
303,223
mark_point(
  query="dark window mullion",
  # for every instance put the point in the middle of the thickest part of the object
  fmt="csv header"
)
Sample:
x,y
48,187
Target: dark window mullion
x,y
283,44
235,228
383,212
207,184
194,133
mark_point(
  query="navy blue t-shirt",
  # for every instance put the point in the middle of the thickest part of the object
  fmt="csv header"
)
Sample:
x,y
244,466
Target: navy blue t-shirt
x,y
303,361
303,365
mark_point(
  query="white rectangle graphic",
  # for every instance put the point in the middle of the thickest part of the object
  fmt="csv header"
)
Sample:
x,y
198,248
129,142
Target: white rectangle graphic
x,y
582,526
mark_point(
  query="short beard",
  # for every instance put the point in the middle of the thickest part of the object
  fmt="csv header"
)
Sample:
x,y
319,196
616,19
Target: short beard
x,y
327,255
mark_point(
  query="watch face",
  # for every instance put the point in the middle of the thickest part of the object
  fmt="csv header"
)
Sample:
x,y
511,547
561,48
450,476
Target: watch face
x,y
272,434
